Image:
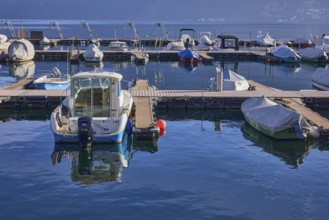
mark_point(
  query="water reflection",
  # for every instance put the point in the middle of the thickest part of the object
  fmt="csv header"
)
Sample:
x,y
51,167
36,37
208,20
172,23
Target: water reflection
x,y
101,162
22,70
189,67
292,152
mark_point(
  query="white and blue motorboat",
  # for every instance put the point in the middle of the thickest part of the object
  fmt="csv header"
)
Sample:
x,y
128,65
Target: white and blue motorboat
x,y
96,111
55,81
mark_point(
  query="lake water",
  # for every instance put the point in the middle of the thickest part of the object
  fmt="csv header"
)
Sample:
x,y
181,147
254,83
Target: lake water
x,y
208,165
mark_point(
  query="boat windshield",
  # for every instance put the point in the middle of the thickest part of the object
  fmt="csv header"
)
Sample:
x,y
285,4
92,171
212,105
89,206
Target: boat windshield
x,y
91,97
326,40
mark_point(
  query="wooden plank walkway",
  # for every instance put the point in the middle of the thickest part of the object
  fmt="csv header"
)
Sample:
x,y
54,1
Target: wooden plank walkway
x,y
16,86
143,114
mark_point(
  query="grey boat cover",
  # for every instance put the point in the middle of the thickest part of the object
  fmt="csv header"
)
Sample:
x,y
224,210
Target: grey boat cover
x,y
283,51
234,81
271,115
310,52
321,76
231,81
93,51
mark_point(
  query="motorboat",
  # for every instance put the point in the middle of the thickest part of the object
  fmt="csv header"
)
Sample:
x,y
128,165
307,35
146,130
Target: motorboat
x,y
276,120
286,54
55,81
189,56
45,41
314,55
3,39
230,81
265,39
186,40
118,46
301,42
21,50
204,42
320,78
324,44
96,111
93,54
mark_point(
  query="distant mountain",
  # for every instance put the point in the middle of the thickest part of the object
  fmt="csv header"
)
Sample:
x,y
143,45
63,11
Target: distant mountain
x,y
298,11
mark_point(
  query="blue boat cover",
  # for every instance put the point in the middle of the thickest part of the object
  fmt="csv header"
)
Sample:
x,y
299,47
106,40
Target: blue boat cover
x,y
187,53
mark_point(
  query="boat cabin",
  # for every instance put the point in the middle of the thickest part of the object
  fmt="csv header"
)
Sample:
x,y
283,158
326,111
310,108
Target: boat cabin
x,y
228,41
96,95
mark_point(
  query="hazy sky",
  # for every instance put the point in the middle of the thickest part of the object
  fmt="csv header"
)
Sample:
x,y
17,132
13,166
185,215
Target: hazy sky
x,y
303,11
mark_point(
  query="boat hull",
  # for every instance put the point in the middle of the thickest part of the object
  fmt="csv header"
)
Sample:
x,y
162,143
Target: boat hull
x,y
286,134
51,86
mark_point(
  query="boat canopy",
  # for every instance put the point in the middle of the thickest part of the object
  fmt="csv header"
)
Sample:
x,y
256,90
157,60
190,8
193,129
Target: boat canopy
x,y
3,38
310,52
22,49
187,53
321,76
234,81
283,51
93,51
270,115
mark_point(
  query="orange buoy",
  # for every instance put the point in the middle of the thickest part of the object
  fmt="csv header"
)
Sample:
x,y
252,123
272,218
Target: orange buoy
x,y
161,124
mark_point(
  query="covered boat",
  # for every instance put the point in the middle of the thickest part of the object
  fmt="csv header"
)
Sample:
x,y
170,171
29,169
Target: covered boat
x,y
315,55
286,54
93,54
204,42
3,38
55,81
186,40
96,111
188,56
118,46
21,50
320,78
275,120
265,39
324,44
231,81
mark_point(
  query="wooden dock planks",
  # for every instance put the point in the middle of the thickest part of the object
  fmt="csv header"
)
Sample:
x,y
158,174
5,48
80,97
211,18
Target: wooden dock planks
x,y
143,113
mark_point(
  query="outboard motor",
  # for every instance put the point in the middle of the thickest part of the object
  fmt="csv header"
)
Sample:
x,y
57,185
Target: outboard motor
x,y
85,131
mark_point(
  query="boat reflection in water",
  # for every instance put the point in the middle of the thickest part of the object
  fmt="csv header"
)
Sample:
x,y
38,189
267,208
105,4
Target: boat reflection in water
x,y
292,152
23,70
101,162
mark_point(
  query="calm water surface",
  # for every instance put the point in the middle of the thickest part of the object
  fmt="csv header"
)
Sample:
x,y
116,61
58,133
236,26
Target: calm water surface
x,y
208,165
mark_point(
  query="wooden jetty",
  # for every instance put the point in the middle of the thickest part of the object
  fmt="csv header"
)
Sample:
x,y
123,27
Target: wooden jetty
x,y
144,126
15,95
153,55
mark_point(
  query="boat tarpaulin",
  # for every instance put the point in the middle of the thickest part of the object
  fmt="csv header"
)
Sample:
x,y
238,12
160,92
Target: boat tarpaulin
x,y
234,81
321,76
283,51
310,52
187,53
271,115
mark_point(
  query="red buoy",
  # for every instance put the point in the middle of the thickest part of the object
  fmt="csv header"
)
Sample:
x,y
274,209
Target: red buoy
x,y
162,132
161,124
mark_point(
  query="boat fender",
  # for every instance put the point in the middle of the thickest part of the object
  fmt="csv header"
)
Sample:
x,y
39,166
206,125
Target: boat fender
x,y
298,130
58,120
